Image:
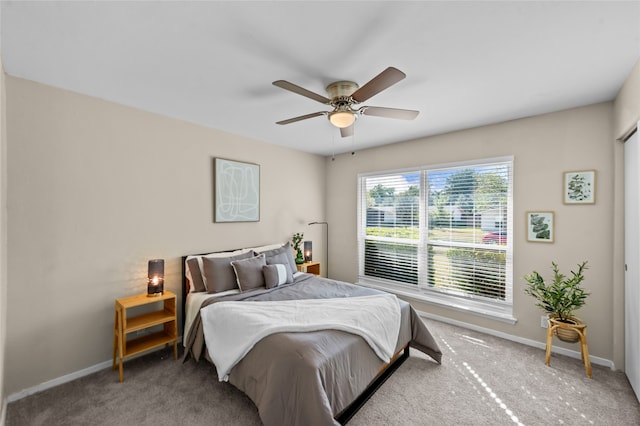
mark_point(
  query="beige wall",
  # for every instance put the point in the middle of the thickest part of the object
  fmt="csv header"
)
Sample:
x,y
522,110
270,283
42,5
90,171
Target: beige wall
x,y
543,148
95,190
3,242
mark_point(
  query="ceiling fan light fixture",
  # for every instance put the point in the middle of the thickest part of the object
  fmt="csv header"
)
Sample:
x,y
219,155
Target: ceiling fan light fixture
x,y
342,119
343,95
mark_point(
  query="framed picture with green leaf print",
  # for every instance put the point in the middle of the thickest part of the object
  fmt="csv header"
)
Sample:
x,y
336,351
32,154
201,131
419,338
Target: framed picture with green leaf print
x,y
540,227
580,187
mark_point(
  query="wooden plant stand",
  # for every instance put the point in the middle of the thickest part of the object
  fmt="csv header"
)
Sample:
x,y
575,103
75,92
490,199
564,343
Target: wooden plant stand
x,y
581,329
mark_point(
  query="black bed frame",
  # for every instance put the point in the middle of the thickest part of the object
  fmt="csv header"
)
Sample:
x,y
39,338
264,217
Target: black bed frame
x,y
345,415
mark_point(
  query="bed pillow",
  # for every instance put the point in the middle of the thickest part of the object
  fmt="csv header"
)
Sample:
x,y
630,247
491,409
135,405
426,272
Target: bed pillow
x,y
200,269
219,272
283,255
197,284
248,272
276,274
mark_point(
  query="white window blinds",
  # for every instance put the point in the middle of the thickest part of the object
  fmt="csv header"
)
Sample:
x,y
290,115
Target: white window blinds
x,y
444,230
392,226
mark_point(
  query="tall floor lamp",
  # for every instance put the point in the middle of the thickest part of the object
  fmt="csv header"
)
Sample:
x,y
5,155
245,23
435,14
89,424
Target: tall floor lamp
x,y
326,248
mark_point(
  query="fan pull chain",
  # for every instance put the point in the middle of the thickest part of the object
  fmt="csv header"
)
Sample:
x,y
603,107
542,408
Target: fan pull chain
x,y
353,140
333,146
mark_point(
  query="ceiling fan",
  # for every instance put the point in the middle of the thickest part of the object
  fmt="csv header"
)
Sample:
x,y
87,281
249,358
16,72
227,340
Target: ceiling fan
x,y
343,95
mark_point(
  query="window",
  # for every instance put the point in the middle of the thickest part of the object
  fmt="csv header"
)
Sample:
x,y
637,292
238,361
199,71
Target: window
x,y
443,233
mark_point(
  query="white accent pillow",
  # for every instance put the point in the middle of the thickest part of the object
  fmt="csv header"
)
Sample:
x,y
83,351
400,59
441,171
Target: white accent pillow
x,y
276,274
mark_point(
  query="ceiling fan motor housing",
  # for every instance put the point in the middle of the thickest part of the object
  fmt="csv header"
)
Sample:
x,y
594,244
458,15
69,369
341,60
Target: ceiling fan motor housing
x,y
342,89
340,93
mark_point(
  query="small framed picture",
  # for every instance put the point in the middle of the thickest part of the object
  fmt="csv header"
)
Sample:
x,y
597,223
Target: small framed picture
x,y
540,227
580,187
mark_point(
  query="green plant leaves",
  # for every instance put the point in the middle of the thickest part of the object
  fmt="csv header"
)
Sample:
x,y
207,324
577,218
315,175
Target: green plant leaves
x,y
563,295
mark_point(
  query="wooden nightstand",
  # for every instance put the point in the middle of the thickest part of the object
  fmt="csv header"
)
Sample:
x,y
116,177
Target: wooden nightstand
x,y
123,348
309,267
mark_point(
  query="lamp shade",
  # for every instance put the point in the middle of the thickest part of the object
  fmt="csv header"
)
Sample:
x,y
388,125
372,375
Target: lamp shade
x,y
342,119
308,252
155,284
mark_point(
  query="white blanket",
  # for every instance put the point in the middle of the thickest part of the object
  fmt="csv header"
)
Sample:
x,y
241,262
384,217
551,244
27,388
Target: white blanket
x,y
231,329
192,306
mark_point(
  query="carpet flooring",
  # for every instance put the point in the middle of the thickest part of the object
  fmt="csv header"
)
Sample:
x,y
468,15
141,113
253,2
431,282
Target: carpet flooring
x,y
483,380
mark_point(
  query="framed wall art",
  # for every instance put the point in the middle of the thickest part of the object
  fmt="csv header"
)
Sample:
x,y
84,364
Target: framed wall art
x,y
540,227
580,187
236,191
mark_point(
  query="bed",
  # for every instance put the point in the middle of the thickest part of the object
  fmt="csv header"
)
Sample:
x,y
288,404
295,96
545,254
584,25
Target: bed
x,y
315,375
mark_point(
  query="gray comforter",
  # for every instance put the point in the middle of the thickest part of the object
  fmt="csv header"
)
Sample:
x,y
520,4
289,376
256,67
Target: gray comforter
x,y
309,378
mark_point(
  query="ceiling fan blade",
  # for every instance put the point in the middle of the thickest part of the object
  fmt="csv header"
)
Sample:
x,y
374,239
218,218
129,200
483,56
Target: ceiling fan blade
x,y
301,91
384,80
345,132
302,117
402,114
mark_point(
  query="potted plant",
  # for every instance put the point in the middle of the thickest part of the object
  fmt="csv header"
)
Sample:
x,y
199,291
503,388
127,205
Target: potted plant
x,y
296,240
559,298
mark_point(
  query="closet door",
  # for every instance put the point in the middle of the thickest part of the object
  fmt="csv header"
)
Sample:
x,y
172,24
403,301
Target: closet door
x,y
632,260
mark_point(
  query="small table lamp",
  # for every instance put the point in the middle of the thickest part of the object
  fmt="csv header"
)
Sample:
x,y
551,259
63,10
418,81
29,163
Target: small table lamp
x,y
308,255
155,285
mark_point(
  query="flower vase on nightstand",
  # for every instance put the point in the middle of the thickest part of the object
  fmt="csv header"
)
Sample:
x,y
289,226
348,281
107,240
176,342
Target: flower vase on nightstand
x,y
299,257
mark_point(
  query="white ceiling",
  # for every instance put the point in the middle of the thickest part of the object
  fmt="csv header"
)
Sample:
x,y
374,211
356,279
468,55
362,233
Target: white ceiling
x,y
467,63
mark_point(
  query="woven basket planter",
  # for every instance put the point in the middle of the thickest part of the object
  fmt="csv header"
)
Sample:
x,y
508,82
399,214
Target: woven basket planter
x,y
565,332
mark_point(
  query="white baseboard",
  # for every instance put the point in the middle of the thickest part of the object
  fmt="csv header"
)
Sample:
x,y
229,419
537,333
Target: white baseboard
x,y
64,379
58,381
534,343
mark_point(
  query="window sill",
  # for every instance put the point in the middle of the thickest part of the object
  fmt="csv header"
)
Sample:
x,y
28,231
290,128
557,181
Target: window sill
x,y
474,307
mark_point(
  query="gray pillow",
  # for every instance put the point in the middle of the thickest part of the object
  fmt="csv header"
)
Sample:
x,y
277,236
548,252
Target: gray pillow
x,y
196,275
249,272
282,255
276,274
219,272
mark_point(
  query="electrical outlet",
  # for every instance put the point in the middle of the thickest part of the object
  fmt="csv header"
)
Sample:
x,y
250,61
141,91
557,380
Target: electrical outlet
x,y
544,322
